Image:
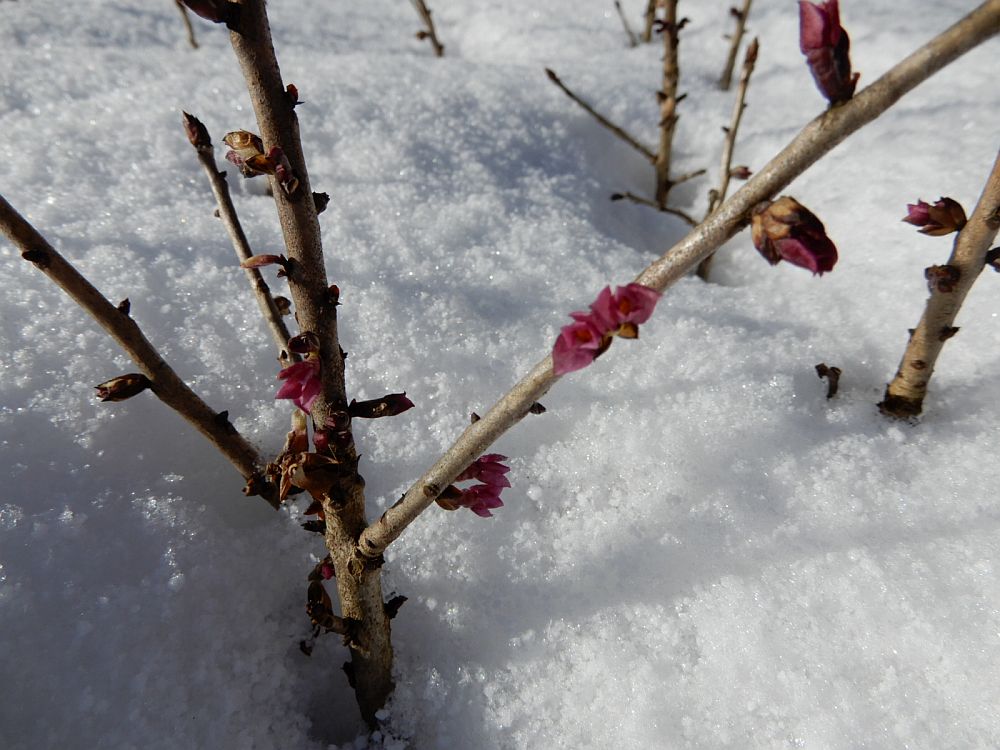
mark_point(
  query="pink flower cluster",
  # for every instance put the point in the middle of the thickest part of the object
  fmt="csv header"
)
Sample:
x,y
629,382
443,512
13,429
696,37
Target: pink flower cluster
x,y
611,314
302,383
479,498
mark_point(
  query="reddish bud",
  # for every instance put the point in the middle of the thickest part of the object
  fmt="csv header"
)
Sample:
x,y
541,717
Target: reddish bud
x,y
217,11
944,217
306,342
123,387
259,261
827,49
197,133
787,230
741,172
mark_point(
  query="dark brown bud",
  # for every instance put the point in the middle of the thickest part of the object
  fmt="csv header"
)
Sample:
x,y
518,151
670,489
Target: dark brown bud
x,y
124,307
123,387
304,343
741,172
283,304
321,201
536,408
942,278
388,406
832,375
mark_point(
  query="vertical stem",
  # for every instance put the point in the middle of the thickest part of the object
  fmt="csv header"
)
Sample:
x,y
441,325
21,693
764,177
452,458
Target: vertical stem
x,y
650,17
316,309
668,102
905,395
187,24
725,174
429,32
632,41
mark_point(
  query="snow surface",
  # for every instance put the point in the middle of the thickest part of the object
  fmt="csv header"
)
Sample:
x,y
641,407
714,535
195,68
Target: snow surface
x,y
699,550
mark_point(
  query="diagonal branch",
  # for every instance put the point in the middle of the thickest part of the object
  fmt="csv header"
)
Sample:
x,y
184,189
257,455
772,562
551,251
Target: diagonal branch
x,y
633,142
429,32
815,140
649,18
166,384
227,212
734,46
187,24
632,40
904,396
726,170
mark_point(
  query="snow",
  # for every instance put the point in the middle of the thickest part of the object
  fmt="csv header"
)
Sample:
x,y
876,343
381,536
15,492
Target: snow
x,y
699,550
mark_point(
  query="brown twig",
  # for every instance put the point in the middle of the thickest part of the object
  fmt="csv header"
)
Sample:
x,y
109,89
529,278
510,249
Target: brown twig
x,y
166,384
633,142
632,41
815,140
718,195
688,219
187,24
734,44
667,97
360,586
428,33
650,20
904,396
227,212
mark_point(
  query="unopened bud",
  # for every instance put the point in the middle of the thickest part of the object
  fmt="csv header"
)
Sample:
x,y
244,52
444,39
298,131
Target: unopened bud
x,y
945,216
197,133
123,387
787,230
388,406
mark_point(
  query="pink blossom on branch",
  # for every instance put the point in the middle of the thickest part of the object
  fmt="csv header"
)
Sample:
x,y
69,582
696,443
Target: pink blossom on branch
x,y
617,313
827,49
479,498
302,383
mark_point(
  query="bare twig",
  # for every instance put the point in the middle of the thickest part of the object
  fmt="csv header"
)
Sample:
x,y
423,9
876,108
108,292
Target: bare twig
x,y
359,586
633,142
187,24
166,384
650,18
904,396
718,195
688,219
816,139
632,41
734,43
667,97
227,212
428,33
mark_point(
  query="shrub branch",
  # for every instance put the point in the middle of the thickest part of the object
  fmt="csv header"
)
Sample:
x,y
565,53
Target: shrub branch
x,y
166,384
814,141
904,396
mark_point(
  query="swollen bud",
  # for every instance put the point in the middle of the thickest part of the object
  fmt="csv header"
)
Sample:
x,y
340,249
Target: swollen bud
x,y
388,406
827,49
123,387
787,230
943,217
196,132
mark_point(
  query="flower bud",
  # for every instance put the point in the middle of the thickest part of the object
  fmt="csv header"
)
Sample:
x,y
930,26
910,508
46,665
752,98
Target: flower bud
x,y
944,217
827,49
123,387
196,132
388,406
787,230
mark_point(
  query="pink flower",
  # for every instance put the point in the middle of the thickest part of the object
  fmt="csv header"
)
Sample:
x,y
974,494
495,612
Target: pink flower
x,y
611,314
578,345
827,49
302,383
487,469
479,498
